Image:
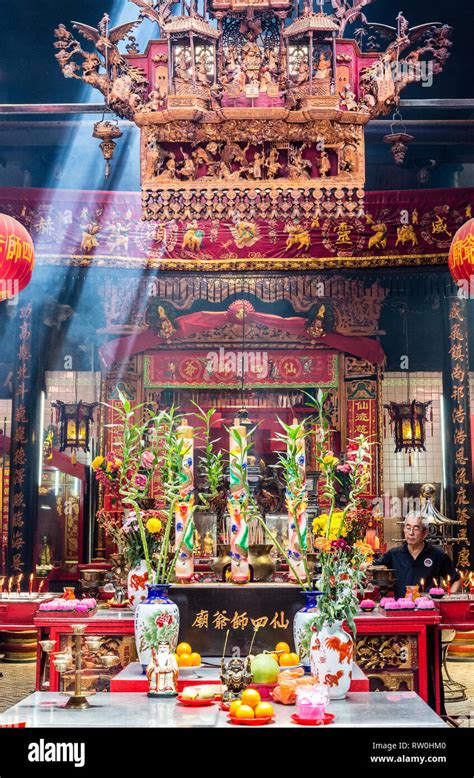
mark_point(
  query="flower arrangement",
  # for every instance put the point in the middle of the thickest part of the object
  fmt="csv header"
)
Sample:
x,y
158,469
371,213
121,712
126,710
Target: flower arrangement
x,y
343,557
125,533
107,471
151,446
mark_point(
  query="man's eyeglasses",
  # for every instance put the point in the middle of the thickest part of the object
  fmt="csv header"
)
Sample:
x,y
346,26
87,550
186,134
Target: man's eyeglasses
x,y
413,529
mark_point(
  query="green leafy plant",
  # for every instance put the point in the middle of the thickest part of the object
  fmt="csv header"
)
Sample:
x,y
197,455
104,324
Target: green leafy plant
x,y
211,463
139,461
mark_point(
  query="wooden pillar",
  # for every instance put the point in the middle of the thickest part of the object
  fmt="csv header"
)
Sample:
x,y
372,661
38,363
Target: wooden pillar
x,y
193,63
334,64
26,442
459,487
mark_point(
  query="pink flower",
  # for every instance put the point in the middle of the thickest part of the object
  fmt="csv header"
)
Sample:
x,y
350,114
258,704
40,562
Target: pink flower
x,y
147,459
344,468
140,481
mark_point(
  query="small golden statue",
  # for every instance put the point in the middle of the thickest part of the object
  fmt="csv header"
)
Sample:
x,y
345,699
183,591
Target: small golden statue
x,y
208,544
45,557
197,542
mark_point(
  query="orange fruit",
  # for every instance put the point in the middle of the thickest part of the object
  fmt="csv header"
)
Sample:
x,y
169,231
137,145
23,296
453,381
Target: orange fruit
x,y
285,660
184,660
264,709
276,657
251,697
244,712
183,648
295,660
233,707
195,659
282,647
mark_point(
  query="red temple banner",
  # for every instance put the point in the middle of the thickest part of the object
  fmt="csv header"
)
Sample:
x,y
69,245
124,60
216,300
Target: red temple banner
x,y
362,420
409,227
224,368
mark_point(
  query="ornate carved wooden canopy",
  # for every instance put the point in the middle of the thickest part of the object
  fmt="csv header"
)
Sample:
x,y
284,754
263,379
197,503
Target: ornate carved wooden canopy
x,y
241,104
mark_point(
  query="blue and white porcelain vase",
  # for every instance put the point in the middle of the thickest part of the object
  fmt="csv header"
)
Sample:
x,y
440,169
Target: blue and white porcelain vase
x,y
156,619
302,626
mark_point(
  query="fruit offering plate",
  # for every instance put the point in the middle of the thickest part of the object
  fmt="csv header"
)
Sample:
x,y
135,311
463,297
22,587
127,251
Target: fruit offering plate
x,y
328,717
123,604
252,722
194,703
186,672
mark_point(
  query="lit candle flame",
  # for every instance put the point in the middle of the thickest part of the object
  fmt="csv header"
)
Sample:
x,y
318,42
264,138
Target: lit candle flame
x,y
30,585
10,584
40,586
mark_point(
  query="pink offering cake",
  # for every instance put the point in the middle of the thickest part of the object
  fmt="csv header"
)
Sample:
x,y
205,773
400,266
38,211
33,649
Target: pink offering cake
x,y
437,592
367,605
425,604
61,607
391,604
406,604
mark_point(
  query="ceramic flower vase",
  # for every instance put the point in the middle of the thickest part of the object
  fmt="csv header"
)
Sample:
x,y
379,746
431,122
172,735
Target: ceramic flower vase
x,y
156,619
332,650
302,626
136,584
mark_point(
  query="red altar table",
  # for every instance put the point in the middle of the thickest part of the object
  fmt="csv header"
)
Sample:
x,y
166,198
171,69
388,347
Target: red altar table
x,y
396,653
18,611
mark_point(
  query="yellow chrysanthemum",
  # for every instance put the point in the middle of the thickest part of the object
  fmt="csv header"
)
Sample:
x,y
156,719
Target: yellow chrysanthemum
x,y
364,549
330,459
97,463
154,525
335,529
322,544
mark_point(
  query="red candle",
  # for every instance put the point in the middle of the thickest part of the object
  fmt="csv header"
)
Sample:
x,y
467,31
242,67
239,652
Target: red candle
x,y
449,585
40,586
18,583
30,585
422,584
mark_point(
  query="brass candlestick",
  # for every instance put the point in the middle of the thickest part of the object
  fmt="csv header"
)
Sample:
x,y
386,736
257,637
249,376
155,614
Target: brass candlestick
x,y
63,661
47,646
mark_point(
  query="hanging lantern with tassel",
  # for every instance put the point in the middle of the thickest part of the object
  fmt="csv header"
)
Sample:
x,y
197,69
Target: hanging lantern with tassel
x,y
408,422
107,131
398,140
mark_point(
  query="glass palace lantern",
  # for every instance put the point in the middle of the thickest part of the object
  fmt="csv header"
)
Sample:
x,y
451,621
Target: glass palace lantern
x,y
408,422
74,424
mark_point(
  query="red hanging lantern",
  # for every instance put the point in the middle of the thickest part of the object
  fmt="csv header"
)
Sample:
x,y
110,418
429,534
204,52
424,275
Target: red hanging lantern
x,y
461,253
17,257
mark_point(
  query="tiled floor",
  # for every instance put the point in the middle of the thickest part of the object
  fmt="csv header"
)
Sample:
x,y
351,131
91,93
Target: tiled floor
x,y
463,712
